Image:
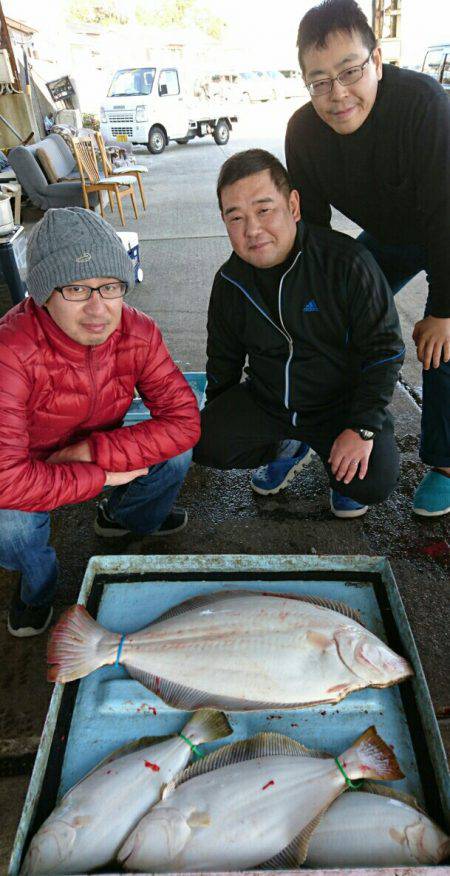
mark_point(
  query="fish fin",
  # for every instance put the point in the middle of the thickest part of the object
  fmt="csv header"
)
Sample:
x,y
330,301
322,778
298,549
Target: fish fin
x,y
190,699
199,819
180,696
261,745
371,758
200,601
209,598
206,726
322,602
384,791
295,853
78,645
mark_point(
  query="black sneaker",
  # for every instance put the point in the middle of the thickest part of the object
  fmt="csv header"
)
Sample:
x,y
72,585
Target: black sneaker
x,y
27,620
175,521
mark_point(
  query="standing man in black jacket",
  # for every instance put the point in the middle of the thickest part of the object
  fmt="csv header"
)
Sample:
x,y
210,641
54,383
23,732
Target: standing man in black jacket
x,y
313,315
374,142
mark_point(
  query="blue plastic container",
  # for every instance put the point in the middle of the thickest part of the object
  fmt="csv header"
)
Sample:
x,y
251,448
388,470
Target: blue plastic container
x,y
89,719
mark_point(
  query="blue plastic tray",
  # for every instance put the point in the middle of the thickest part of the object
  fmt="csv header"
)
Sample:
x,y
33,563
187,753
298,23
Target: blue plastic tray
x,y
89,719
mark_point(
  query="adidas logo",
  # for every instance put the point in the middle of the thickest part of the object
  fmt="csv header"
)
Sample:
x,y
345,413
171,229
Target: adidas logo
x,y
311,307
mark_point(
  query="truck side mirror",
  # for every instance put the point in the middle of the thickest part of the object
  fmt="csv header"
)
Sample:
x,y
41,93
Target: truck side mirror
x,y
162,90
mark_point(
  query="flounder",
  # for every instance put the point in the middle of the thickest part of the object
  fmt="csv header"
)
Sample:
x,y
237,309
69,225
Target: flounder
x,y
235,650
92,820
380,828
249,804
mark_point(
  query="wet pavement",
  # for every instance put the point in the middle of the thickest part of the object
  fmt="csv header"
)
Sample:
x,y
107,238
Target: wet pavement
x,y
182,243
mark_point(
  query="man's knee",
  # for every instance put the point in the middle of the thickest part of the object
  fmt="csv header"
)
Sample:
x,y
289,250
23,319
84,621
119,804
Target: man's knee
x,y
21,529
210,454
175,468
374,488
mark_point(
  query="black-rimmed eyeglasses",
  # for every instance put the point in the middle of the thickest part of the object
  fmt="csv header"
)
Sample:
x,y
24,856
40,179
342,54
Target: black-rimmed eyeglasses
x,y
346,77
75,292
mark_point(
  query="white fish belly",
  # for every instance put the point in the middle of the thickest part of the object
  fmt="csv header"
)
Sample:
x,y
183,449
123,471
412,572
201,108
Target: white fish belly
x,y
234,817
255,648
365,830
90,823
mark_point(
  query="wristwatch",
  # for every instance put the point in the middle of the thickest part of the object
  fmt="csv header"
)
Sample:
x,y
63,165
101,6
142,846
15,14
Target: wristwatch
x,y
365,434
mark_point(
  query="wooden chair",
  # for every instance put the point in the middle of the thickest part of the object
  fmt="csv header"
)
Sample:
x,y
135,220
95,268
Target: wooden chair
x,y
92,181
135,170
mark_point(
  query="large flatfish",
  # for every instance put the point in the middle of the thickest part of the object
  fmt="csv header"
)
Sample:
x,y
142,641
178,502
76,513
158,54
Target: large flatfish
x,y
235,650
249,804
378,829
91,821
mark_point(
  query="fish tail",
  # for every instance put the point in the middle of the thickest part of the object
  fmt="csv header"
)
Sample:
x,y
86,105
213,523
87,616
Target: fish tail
x,y
206,725
78,645
370,758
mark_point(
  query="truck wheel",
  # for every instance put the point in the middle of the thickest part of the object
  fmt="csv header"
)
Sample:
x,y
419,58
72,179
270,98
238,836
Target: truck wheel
x,y
221,133
182,140
156,140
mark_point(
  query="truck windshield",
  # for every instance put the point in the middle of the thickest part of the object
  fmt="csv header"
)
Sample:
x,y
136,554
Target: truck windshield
x,y
133,82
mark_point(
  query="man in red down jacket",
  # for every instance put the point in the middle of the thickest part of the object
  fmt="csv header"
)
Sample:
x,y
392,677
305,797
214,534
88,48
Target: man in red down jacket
x,y
70,358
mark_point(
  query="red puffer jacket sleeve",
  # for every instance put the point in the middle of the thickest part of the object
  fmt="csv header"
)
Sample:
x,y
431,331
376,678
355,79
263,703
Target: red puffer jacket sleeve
x,y
28,484
175,420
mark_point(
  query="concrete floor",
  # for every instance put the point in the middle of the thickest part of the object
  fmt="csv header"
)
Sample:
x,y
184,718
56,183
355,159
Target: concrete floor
x,y
182,244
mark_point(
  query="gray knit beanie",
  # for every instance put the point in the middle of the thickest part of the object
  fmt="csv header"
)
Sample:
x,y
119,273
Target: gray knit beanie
x,y
70,244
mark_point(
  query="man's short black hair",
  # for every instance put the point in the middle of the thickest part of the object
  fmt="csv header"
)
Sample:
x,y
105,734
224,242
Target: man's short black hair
x,y
251,161
333,16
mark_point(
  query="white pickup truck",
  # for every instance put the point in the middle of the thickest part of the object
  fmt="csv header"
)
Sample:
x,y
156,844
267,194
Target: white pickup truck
x,y
151,105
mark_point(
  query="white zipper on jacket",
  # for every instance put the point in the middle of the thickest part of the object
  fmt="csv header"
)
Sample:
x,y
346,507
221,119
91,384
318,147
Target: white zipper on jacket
x,y
282,330
290,341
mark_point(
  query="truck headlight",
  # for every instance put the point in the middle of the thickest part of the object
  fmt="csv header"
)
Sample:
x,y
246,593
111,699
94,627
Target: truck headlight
x,y
141,113
103,115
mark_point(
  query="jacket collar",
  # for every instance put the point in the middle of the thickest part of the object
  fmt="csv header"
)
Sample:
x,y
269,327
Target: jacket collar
x,y
242,272
65,346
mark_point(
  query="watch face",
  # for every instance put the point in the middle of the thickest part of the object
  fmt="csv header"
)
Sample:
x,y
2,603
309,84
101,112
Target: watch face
x,y
366,434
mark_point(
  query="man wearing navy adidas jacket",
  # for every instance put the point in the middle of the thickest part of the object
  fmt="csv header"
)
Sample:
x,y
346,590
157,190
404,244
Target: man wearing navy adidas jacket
x,y
304,347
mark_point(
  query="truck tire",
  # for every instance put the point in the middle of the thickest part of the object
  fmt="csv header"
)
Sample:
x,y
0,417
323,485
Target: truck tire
x,y
221,133
156,140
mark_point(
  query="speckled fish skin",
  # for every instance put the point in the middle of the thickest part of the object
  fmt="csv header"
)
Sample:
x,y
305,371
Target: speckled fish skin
x,y
235,650
247,813
365,830
90,823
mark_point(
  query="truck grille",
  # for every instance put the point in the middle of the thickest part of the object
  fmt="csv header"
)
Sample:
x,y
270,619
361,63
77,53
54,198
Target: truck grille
x,y
122,130
121,118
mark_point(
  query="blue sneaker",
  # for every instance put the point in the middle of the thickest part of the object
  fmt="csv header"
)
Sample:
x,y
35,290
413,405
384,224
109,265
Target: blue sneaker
x,y
343,506
432,495
275,476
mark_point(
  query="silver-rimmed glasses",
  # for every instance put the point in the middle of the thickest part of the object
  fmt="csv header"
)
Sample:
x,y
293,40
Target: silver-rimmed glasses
x,y
345,77
76,292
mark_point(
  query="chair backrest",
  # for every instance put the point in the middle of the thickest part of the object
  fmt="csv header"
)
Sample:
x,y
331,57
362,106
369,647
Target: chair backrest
x,y
29,174
86,160
107,164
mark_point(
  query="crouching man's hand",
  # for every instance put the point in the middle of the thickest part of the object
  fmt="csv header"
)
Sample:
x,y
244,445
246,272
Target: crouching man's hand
x,y
117,478
348,454
81,453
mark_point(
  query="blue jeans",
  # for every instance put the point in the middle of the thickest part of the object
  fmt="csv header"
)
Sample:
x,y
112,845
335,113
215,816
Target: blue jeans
x,y
400,263
141,506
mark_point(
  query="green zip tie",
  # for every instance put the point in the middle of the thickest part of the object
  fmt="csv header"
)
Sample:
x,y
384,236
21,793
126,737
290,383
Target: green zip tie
x,y
191,745
352,785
